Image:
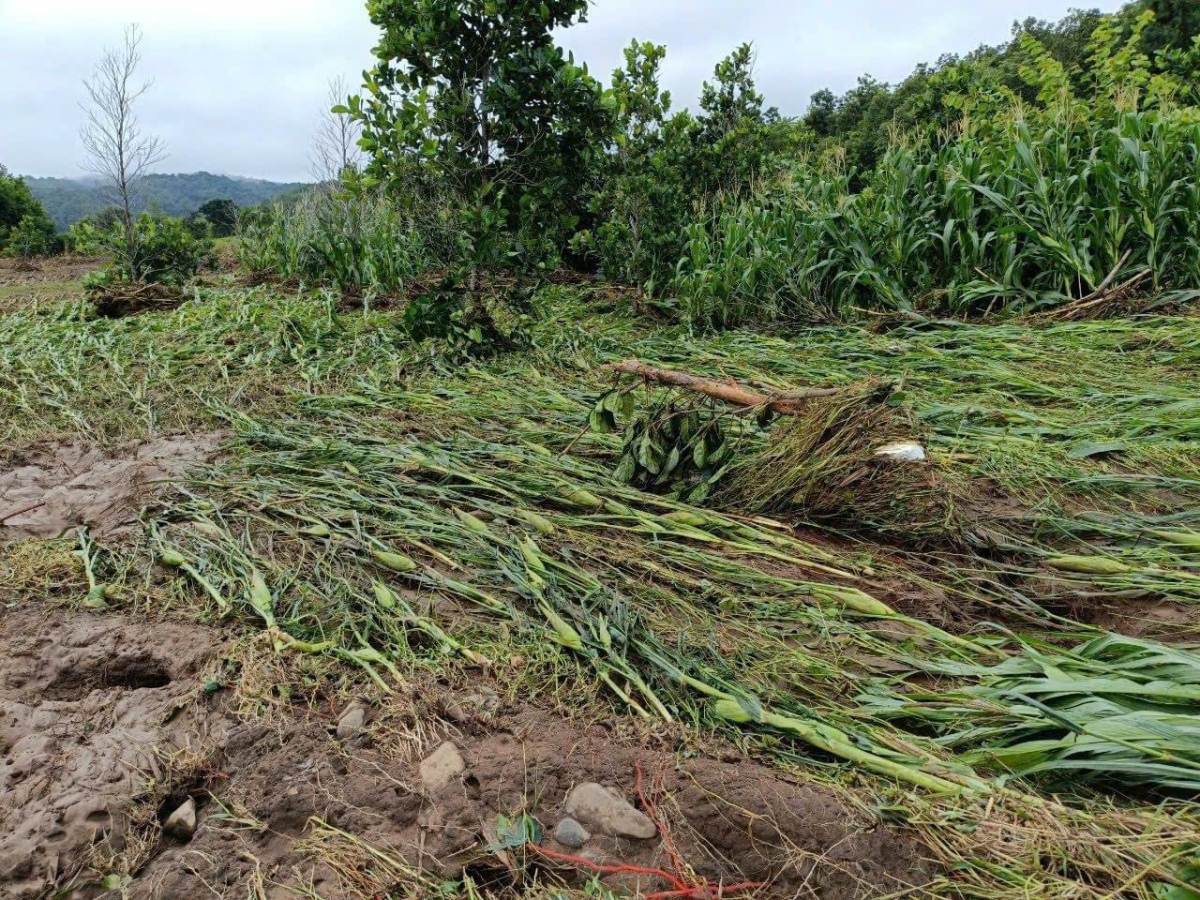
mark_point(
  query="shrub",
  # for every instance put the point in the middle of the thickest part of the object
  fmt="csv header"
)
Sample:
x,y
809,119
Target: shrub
x,y
34,235
165,251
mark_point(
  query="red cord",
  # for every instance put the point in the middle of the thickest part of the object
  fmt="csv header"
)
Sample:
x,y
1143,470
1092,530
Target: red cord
x,y
609,870
678,880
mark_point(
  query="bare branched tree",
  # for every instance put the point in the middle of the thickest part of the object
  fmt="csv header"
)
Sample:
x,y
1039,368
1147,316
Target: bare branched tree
x,y
335,143
118,153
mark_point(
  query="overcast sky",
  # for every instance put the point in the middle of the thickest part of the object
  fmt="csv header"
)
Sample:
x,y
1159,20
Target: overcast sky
x,y
239,83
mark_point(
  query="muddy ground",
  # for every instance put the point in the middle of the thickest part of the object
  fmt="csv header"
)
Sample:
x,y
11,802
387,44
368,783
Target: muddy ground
x,y
109,724
47,490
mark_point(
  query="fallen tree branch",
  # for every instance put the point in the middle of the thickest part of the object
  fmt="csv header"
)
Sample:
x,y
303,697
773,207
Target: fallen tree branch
x,y
785,404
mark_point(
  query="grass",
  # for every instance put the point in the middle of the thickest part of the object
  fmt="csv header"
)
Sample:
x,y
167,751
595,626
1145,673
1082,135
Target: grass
x,y
383,515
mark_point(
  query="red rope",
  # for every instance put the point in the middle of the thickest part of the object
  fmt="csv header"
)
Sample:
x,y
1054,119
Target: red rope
x,y
622,869
682,887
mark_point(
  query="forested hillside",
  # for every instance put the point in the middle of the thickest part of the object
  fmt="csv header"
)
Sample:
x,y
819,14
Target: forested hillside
x,y
68,200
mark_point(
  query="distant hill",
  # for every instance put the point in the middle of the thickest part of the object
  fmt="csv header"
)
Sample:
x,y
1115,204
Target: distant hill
x,y
67,200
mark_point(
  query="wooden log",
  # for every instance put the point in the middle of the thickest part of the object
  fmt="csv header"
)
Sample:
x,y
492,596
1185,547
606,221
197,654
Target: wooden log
x,y
785,404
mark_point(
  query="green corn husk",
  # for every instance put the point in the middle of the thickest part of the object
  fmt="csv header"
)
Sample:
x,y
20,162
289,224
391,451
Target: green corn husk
x,y
581,498
260,598
1089,565
839,744
563,632
473,523
538,523
397,562
1180,538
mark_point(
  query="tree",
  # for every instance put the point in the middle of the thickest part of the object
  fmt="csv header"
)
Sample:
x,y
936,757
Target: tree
x,y
118,152
222,215
479,96
25,228
732,134
640,199
335,143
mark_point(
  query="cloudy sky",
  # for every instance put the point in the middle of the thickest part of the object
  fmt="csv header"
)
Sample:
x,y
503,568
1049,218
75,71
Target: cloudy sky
x,y
238,84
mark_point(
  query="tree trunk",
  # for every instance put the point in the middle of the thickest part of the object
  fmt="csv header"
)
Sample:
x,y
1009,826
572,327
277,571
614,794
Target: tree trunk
x,y
784,404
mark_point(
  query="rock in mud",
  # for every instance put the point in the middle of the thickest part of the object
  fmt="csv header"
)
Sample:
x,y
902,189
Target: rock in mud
x,y
182,823
441,768
597,806
352,721
571,834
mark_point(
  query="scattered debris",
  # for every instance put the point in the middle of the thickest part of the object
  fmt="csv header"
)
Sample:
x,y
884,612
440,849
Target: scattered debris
x,y
903,451
351,722
120,300
787,403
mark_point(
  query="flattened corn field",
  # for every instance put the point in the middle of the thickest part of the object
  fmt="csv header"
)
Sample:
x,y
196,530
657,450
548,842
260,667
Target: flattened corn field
x,y
984,662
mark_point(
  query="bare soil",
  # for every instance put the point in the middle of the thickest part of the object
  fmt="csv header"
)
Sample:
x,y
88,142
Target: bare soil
x,y
54,270
107,726
49,489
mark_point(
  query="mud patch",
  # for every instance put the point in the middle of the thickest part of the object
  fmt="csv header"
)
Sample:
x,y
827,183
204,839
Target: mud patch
x,y
295,797
106,729
87,705
47,490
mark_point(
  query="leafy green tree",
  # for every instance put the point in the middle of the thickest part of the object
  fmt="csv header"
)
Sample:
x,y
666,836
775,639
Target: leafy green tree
x,y
479,94
642,198
221,215
25,229
732,128
168,251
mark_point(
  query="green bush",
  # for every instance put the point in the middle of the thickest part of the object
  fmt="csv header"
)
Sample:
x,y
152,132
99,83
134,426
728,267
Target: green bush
x,y
34,235
163,250
25,229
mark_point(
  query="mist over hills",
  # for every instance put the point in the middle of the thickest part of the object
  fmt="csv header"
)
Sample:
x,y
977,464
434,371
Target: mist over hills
x,y
68,200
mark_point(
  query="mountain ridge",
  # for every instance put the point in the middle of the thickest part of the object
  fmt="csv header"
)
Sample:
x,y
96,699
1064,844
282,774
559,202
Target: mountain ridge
x,y
68,200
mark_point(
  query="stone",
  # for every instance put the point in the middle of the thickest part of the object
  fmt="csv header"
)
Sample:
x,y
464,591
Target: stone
x,y
570,833
442,767
182,822
597,807
352,721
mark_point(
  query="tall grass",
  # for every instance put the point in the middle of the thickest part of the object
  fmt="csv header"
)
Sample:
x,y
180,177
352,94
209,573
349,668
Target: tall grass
x,y
1029,214
352,244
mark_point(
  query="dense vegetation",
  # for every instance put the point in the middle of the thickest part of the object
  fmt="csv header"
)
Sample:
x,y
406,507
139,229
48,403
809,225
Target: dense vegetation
x,y
25,228
1059,168
69,201
475,404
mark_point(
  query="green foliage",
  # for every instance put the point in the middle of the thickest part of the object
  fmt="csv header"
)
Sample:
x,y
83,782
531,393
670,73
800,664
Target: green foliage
x,y
34,235
354,244
25,229
642,196
1024,206
221,217
163,250
677,448
496,113
69,201
665,166
469,324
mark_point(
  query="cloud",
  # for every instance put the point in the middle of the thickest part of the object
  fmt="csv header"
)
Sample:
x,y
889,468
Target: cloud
x,y
238,84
